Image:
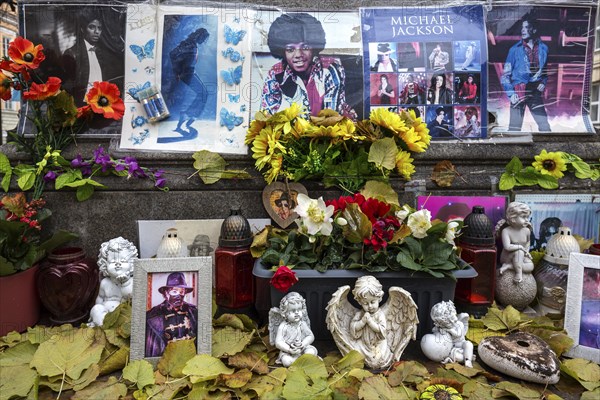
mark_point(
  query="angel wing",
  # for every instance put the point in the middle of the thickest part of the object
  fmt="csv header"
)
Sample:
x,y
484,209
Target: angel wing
x,y
275,319
401,314
339,314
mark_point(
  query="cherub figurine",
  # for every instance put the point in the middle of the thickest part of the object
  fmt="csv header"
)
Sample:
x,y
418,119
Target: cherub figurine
x,y
447,343
515,233
380,333
115,261
289,329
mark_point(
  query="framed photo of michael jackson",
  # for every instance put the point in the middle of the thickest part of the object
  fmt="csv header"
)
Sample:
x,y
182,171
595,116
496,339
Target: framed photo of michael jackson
x,y
171,302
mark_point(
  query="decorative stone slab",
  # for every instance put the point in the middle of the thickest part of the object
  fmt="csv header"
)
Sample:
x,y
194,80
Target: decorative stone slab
x,y
521,355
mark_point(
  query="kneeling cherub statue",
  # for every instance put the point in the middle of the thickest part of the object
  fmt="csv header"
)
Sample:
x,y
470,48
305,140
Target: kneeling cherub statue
x,y
289,329
379,333
115,261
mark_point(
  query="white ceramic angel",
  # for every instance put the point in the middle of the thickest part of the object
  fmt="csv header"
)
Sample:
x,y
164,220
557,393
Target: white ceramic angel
x,y
380,333
115,261
289,329
447,343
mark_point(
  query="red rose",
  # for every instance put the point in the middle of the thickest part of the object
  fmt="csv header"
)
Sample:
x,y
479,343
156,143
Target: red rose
x,y
284,279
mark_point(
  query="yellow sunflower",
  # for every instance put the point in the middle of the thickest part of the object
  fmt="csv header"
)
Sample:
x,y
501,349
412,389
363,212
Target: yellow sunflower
x,y
387,119
257,124
414,141
440,392
404,164
267,145
273,172
550,163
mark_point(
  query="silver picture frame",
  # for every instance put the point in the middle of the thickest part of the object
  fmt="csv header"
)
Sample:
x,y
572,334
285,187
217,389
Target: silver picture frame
x,y
582,312
148,275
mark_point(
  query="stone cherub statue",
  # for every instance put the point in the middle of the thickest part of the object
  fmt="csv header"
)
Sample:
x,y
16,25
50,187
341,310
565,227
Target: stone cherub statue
x,y
515,234
115,261
380,333
289,329
447,343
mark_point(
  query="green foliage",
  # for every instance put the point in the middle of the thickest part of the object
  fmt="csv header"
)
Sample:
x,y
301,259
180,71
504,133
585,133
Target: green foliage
x,y
211,168
516,175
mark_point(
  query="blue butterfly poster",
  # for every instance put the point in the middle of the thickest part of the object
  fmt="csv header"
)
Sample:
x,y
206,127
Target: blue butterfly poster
x,y
200,64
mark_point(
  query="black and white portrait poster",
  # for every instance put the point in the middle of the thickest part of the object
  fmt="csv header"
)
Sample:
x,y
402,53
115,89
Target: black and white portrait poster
x,y
83,42
540,65
198,59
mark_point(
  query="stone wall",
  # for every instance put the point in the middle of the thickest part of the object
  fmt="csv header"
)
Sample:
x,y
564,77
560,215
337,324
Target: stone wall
x,y
114,211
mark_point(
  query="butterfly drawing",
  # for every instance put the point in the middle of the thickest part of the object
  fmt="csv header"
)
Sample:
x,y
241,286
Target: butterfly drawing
x,y
149,70
233,55
234,98
232,76
145,51
230,119
243,108
133,92
236,20
140,137
138,121
233,36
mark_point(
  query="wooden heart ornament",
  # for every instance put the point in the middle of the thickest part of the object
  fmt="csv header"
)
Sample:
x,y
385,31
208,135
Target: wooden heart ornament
x,y
280,199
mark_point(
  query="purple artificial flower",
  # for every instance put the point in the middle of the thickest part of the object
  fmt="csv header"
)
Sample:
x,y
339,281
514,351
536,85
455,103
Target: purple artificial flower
x,y
50,176
103,159
160,181
84,166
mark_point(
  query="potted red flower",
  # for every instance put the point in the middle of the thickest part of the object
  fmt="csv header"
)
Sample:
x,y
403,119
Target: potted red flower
x,y
337,241
21,248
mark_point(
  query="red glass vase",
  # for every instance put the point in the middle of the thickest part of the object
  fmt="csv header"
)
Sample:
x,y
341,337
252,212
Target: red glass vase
x,y
68,284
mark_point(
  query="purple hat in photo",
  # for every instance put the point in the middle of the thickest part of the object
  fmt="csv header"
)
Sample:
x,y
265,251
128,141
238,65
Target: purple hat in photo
x,y
175,280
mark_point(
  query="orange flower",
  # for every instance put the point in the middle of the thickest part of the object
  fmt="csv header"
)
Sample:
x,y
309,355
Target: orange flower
x,y
24,54
42,91
105,98
5,92
83,111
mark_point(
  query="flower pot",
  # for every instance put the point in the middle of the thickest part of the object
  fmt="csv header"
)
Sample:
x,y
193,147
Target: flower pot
x,y
317,287
68,285
19,302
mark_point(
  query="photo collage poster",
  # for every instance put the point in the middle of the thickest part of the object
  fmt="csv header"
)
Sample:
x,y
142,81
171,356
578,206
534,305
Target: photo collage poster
x,y
431,60
333,51
62,29
550,93
198,59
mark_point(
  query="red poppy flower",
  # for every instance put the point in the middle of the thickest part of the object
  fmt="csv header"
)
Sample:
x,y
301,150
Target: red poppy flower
x,y
105,98
42,91
5,92
24,54
83,111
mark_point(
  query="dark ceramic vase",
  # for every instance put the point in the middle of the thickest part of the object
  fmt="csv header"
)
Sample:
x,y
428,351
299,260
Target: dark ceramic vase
x,y
19,304
68,285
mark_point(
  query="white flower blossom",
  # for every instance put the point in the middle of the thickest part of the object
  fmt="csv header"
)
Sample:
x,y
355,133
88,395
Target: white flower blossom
x,y
315,216
403,213
451,232
419,222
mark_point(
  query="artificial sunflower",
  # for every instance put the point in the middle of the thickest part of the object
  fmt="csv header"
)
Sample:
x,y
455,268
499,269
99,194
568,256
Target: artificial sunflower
x,y
257,124
404,164
387,119
43,91
551,163
104,97
413,141
440,392
24,54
